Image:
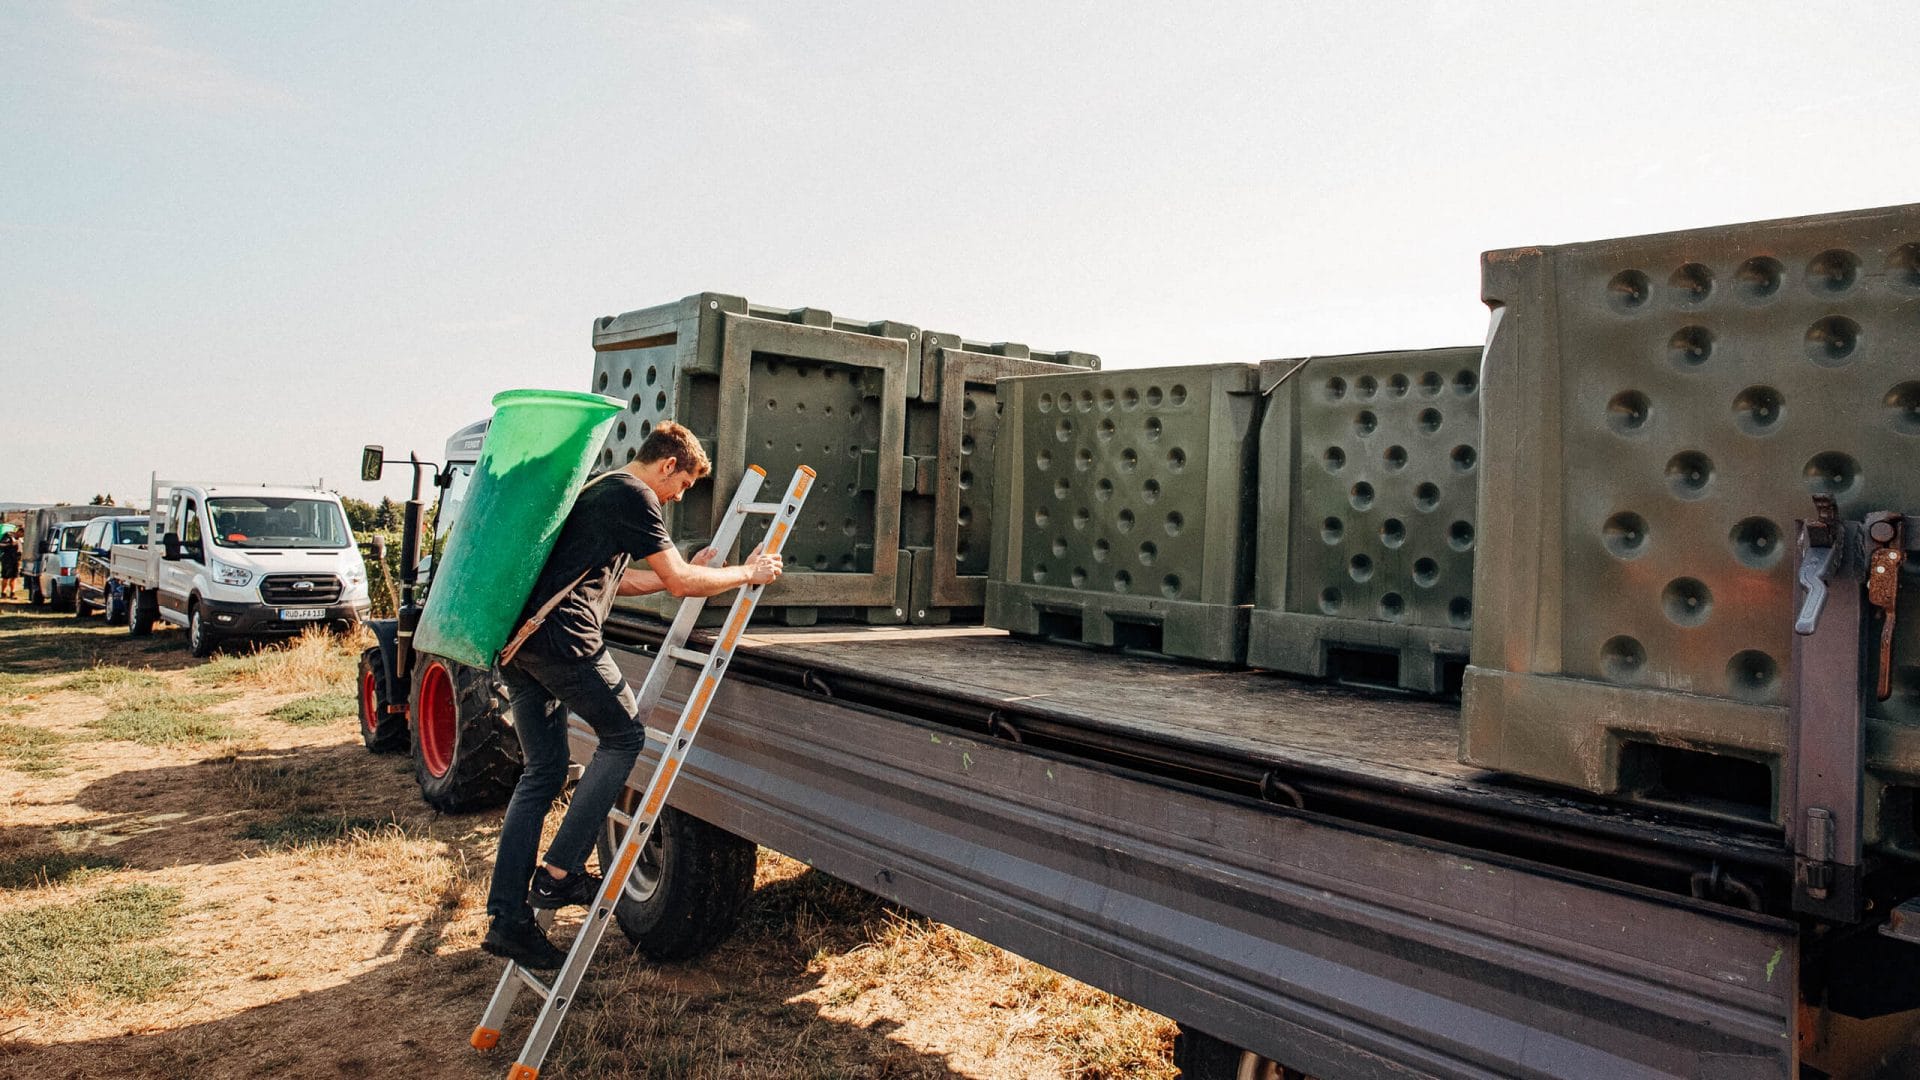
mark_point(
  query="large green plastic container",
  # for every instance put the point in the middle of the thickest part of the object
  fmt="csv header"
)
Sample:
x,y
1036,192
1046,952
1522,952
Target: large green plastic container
x,y
538,452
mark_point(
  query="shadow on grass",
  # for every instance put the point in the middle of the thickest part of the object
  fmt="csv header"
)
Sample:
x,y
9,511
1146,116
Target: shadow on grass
x,y
412,1017
200,813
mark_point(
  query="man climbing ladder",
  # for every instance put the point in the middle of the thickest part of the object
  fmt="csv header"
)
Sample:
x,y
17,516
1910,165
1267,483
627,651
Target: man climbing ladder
x,y
559,994
563,665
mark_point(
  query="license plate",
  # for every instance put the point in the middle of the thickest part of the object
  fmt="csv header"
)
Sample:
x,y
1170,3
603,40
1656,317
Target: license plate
x,y
296,614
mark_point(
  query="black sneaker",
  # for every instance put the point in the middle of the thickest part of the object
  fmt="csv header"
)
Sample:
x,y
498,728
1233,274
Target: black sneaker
x,y
524,944
549,892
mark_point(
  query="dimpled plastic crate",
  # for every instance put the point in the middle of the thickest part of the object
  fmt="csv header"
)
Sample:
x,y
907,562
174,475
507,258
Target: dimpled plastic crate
x,y
1124,503
1369,467
777,388
1659,411
953,428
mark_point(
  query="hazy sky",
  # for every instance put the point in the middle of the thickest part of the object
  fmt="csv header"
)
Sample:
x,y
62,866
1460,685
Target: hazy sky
x,y
239,240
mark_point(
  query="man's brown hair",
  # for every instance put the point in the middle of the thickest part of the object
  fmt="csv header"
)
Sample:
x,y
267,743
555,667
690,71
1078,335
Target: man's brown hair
x,y
670,440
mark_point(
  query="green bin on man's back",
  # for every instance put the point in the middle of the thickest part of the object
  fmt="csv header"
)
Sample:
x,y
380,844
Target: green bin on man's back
x,y
539,450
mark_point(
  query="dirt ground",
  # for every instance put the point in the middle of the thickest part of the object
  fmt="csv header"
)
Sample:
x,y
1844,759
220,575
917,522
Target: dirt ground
x,y
287,906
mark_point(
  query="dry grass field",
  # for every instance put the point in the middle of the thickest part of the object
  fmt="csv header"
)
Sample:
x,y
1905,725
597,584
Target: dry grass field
x,y
203,873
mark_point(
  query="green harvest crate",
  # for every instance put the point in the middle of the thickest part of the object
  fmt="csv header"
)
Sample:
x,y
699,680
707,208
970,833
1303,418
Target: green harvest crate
x,y
952,430
1659,412
778,388
1123,505
1369,466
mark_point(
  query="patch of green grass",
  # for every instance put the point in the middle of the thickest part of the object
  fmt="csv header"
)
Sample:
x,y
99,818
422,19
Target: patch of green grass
x,y
52,953
232,667
301,829
51,868
11,681
166,719
106,679
317,710
31,750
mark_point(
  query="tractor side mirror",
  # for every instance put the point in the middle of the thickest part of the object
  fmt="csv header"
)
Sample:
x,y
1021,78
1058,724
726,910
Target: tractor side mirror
x,y
371,459
171,542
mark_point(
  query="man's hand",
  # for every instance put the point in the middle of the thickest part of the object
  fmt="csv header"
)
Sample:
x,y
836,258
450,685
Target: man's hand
x,y
763,568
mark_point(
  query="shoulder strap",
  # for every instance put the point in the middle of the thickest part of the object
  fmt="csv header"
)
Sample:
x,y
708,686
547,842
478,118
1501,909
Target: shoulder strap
x,y
512,648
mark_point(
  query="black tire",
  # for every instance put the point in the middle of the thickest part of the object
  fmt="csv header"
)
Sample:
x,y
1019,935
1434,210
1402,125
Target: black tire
x,y
381,729
34,599
117,601
67,601
465,753
81,609
1200,1056
140,612
686,893
201,641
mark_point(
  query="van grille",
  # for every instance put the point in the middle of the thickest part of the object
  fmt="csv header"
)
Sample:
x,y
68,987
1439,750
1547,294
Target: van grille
x,y
285,590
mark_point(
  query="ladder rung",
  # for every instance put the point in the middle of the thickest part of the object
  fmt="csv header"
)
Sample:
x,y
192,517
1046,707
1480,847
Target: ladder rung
x,y
761,508
620,816
691,656
527,977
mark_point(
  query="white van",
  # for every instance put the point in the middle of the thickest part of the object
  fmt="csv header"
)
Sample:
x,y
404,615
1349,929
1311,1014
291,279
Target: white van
x,y
232,560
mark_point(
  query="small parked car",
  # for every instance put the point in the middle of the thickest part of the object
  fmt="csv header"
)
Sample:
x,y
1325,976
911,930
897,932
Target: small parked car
x,y
97,590
55,577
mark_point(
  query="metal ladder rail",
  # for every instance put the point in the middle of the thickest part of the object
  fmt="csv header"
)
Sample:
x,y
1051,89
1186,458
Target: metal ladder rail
x,y
559,994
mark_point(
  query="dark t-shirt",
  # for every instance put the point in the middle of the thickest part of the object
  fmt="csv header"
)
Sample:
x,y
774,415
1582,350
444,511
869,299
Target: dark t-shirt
x,y
615,519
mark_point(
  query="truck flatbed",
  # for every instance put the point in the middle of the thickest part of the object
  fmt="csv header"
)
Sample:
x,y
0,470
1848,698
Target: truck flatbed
x,y
1371,757
1298,869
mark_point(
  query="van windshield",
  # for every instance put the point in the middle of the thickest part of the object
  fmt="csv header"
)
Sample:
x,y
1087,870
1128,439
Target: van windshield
x,y
258,521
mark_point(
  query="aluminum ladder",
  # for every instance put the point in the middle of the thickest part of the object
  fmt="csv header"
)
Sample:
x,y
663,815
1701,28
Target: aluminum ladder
x,y
673,651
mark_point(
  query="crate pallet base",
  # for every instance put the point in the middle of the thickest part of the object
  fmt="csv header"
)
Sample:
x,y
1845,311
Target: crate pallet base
x,y
1192,631
1422,659
1667,748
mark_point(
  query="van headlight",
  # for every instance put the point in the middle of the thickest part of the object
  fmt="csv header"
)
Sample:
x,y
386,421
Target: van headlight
x,y
230,575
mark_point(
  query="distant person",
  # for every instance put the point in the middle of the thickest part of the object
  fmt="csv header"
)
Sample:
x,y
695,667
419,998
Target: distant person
x,y
10,563
564,665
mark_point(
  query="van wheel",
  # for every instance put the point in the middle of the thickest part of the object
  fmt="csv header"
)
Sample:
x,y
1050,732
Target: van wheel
x,y
200,640
1200,1056
81,609
117,603
465,753
687,889
140,613
383,731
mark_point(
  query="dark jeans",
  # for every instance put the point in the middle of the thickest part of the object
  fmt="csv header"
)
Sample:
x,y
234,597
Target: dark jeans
x,y
540,691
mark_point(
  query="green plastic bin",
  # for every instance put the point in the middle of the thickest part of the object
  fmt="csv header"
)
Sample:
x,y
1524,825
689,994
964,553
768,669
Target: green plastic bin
x,y
539,450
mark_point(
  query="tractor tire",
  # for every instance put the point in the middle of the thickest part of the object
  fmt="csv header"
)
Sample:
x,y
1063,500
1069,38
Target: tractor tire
x,y
140,612
201,641
1200,1056
381,729
465,753
686,891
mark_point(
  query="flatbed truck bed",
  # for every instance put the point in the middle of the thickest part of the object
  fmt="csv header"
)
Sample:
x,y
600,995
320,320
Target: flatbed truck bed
x,y
1298,870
